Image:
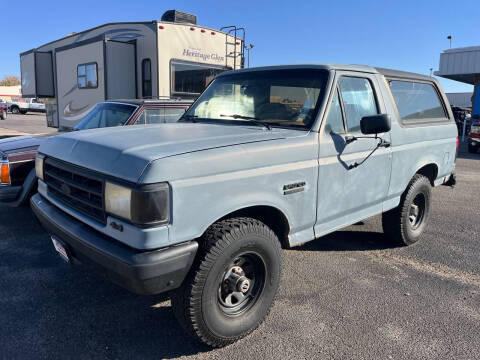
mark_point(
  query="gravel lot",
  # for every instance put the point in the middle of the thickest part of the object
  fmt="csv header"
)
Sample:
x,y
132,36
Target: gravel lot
x,y
347,295
30,123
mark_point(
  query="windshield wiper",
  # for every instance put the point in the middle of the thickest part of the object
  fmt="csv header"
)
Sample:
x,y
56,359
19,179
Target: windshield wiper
x,y
189,117
249,118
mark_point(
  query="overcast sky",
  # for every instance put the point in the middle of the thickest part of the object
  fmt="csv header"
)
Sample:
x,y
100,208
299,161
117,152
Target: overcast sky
x,y
403,35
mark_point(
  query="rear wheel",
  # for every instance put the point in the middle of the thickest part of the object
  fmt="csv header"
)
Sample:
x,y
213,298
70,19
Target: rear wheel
x,y
472,148
3,115
233,283
15,110
406,223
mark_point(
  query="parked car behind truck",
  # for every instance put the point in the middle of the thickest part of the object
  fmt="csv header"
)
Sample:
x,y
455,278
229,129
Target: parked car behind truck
x,y
265,158
24,105
17,154
3,110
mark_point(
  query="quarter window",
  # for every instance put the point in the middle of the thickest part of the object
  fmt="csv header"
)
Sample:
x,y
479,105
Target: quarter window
x,y
358,100
87,76
173,114
334,123
416,102
146,78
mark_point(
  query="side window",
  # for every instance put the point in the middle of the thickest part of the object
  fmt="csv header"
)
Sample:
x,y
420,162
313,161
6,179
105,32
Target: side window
x,y
151,116
87,76
173,114
334,123
416,102
146,78
358,100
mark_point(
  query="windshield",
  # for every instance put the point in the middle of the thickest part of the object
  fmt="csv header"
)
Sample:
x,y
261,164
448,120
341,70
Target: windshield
x,y
283,98
106,115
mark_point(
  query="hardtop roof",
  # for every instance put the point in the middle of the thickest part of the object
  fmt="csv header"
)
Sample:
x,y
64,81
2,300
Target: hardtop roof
x,y
344,67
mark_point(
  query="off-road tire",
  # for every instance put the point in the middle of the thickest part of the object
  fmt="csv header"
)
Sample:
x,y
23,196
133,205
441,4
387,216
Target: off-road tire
x,y
396,223
195,303
472,149
15,110
3,115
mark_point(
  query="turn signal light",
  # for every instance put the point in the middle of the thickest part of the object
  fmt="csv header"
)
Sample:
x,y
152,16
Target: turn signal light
x,y
5,174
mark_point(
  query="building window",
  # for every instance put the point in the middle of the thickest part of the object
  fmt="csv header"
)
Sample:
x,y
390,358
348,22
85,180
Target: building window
x,y
146,78
87,76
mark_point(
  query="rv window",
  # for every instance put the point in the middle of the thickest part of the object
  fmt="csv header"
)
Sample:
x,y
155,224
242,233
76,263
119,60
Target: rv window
x,y
87,76
146,78
191,78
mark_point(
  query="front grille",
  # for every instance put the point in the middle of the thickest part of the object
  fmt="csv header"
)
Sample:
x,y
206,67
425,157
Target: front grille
x,y
77,188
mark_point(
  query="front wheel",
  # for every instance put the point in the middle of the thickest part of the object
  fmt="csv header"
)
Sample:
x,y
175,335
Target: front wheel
x,y
15,110
233,283
3,115
406,223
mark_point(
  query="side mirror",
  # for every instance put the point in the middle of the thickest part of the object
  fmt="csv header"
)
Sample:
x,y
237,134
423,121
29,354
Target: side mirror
x,y
375,124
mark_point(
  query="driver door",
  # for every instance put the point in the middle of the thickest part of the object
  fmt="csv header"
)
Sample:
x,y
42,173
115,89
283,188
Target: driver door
x,y
345,195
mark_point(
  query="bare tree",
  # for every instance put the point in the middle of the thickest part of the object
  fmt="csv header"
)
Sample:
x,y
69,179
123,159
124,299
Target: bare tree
x,y
10,81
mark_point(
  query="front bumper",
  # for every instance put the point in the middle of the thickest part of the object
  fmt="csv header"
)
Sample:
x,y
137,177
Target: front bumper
x,y
142,272
9,193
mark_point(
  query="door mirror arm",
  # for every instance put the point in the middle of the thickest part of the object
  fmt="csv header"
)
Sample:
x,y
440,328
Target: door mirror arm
x,y
381,143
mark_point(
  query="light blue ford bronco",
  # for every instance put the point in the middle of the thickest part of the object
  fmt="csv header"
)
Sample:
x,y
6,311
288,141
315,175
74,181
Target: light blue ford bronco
x,y
265,158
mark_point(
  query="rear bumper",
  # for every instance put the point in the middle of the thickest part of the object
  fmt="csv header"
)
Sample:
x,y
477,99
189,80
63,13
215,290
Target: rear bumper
x,y
9,193
142,272
474,141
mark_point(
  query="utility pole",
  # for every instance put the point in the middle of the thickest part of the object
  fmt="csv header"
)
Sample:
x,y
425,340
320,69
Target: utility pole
x,y
431,71
248,48
449,37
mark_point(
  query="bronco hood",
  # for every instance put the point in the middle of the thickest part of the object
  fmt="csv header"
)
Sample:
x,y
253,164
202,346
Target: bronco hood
x,y
124,152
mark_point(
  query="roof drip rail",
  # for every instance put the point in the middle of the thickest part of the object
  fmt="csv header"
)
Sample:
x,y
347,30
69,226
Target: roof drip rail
x,y
161,97
239,34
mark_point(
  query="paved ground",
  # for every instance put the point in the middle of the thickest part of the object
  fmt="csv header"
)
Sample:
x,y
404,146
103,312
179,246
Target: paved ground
x,y
348,295
29,123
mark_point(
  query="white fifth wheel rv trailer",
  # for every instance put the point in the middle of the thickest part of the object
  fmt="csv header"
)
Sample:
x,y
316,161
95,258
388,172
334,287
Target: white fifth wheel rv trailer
x,y
152,59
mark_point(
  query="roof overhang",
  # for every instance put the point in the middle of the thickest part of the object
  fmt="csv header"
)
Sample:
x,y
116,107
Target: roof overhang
x,y
460,64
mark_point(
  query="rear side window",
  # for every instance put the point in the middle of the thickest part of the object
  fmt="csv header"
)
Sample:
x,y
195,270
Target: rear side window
x,y
358,100
417,102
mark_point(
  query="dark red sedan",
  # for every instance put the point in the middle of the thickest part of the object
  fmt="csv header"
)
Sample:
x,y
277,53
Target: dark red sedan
x,y
17,154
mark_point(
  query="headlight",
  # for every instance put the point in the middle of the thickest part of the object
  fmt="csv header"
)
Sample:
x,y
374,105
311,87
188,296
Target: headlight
x,y
4,172
146,206
39,165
